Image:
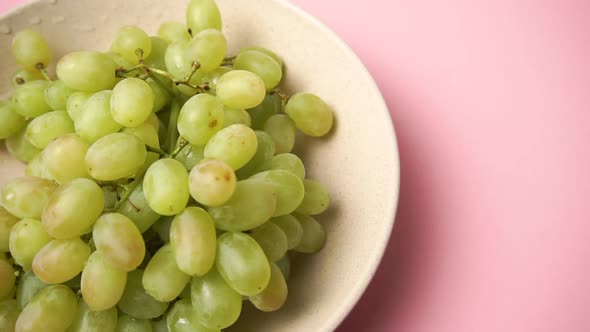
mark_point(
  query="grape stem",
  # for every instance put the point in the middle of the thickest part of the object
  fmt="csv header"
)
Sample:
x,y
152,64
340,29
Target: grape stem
x,y
155,150
284,97
229,61
181,144
43,71
128,190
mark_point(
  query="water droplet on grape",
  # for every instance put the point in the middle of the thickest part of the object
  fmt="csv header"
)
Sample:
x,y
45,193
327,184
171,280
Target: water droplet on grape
x,y
5,29
35,20
58,19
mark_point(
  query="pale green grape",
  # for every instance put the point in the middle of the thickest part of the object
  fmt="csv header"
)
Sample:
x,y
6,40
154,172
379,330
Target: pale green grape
x,y
289,162
30,50
154,121
232,116
270,106
211,77
61,260
87,71
314,235
274,295
94,118
240,89
265,51
52,309
115,156
285,265
25,197
162,227
183,318
316,200
8,315
310,113
242,263
136,302
20,147
292,229
73,208
129,324
29,99
28,286
200,118
156,58
75,103
261,64
37,168
138,210
102,284
132,101
217,305
252,204
261,161
57,94
235,145
193,241
202,15
47,127
282,130
161,96
120,61
10,121
272,240
7,221
162,278
176,61
89,320
128,40
7,279
208,48
64,158
27,237
22,76
288,188
173,31
212,182
165,185
190,155
119,241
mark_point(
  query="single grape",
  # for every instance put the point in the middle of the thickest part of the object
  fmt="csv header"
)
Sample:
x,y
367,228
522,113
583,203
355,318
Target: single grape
x,y
176,61
75,102
162,278
57,94
132,101
129,40
87,71
29,99
161,96
183,318
115,156
30,50
285,265
27,237
28,286
314,235
274,295
208,48
102,284
261,64
7,279
47,127
240,89
173,31
289,162
216,304
89,320
232,116
266,51
38,168
272,240
64,158
20,147
154,121
190,155
146,133
61,260
10,121
282,131
119,241
22,76
138,210
25,197
316,200
310,113
129,324
261,161
270,106
52,309
202,15
136,302
165,185
94,118
288,188
235,145
8,315
212,182
156,58
7,221
200,118
292,229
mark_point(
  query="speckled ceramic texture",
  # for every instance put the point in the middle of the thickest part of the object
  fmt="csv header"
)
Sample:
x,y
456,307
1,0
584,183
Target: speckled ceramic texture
x,y
358,161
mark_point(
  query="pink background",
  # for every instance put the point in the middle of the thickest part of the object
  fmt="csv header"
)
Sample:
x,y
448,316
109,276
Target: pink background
x,y
491,104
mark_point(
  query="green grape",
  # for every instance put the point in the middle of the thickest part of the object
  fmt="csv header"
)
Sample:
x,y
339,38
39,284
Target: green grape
x,y
22,76
242,263
292,229
28,286
52,309
89,320
162,278
120,61
25,197
272,240
119,241
137,209
183,318
128,40
200,118
20,147
160,325
61,260
261,161
162,227
47,127
115,156
10,121
161,96
289,162
282,131
208,48
30,50
64,158
110,196
136,302
314,235
232,116
210,77
154,121
202,15
288,188
27,237
165,185
240,89
129,324
216,304
73,208
270,106
7,221
252,204
310,113
37,168
265,51
8,315
274,295
212,182
57,94
7,279
156,58
190,155
285,265
29,99
75,102
193,241
132,102
176,61
173,31
87,71
94,118
261,64
235,145
316,200
102,284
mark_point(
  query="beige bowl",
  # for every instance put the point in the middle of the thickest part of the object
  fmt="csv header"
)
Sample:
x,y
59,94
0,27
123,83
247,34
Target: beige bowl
x,y
358,162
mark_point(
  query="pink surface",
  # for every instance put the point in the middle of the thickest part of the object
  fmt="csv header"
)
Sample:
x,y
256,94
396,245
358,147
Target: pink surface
x,y
491,105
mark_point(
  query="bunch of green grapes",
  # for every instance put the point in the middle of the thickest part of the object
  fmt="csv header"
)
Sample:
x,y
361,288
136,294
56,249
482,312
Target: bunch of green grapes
x,y
161,190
